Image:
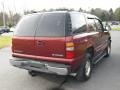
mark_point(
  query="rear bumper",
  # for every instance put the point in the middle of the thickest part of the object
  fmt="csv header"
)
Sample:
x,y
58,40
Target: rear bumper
x,y
41,66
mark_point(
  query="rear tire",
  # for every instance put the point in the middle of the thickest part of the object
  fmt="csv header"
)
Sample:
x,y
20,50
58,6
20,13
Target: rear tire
x,y
84,72
32,73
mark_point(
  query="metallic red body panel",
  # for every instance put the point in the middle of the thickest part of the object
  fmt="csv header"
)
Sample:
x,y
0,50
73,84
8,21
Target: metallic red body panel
x,y
43,48
50,47
23,45
54,49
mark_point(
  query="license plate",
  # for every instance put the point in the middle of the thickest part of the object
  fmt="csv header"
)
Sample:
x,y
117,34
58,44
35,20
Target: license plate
x,y
37,64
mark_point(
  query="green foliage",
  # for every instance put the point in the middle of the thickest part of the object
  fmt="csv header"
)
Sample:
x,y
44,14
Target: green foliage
x,y
102,14
49,10
10,19
1,18
107,15
116,28
111,15
117,14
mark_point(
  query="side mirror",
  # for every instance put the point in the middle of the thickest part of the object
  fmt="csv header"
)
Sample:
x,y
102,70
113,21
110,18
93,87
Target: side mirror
x,y
107,28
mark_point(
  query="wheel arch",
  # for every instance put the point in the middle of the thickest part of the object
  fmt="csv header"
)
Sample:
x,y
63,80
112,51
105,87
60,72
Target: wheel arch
x,y
90,50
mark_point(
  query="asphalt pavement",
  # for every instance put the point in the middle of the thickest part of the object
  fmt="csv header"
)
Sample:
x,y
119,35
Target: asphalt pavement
x,y
105,75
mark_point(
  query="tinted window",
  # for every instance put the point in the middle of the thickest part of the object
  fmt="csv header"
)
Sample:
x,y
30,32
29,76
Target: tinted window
x,y
68,25
91,25
51,25
78,23
98,25
27,25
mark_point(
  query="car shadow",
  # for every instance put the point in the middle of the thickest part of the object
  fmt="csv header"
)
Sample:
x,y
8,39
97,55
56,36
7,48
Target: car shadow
x,y
61,84
59,80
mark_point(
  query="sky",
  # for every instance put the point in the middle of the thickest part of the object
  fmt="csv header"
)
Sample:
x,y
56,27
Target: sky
x,y
20,5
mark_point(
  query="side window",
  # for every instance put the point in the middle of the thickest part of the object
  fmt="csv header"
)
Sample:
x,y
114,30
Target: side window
x,y
98,25
78,23
91,25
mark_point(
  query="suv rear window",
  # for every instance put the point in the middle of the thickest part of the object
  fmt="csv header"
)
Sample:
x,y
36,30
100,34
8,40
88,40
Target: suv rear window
x,y
51,25
27,25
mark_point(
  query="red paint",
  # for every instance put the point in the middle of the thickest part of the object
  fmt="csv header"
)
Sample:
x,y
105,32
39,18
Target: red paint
x,y
30,48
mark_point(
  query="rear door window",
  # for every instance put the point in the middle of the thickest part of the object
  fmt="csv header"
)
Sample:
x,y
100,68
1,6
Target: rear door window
x,y
51,25
78,23
91,25
27,25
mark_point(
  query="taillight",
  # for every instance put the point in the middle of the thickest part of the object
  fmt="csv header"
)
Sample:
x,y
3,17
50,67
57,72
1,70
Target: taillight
x,y
70,50
12,47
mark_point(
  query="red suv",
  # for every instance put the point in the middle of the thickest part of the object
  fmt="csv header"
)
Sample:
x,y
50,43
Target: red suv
x,y
60,42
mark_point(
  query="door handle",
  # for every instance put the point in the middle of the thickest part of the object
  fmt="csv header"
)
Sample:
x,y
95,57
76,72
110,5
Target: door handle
x,y
40,43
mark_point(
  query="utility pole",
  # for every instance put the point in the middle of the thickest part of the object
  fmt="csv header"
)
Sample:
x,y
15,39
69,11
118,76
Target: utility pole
x,y
4,23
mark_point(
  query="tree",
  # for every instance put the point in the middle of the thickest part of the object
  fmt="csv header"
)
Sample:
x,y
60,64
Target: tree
x,y
117,14
92,11
51,10
102,14
16,18
98,12
13,18
31,11
80,10
1,18
111,15
64,9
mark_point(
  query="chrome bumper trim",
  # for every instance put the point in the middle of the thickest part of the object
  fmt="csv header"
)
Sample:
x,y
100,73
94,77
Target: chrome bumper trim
x,y
40,67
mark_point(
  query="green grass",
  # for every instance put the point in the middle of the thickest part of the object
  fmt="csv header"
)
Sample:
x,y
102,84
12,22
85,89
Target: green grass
x,y
5,41
116,28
